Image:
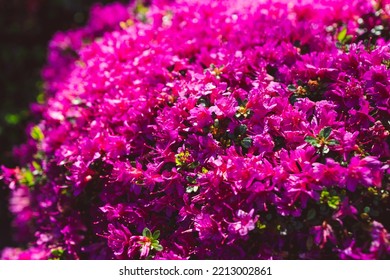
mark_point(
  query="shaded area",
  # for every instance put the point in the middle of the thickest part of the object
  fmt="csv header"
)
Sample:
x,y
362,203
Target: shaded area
x,y
26,26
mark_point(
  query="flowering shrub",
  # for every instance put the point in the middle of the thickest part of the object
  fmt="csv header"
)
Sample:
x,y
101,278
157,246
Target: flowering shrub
x,y
196,129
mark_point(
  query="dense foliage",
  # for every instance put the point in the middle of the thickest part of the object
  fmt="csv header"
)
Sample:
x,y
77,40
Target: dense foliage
x,y
196,129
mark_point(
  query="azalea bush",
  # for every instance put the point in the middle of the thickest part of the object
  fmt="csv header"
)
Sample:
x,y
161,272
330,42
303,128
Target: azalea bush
x,y
196,129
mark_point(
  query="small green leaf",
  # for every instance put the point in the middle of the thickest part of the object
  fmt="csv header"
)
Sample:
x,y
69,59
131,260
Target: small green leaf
x,y
341,36
12,119
334,202
203,102
292,88
141,10
41,98
37,166
57,252
156,234
260,226
339,45
191,179
36,133
158,247
292,99
311,140
348,38
27,178
332,142
324,196
147,233
246,142
325,132
193,165
241,130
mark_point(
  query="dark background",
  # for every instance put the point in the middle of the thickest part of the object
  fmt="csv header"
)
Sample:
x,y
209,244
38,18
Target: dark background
x,y
26,27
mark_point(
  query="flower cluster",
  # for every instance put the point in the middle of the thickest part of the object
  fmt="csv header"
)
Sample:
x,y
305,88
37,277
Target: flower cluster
x,y
230,129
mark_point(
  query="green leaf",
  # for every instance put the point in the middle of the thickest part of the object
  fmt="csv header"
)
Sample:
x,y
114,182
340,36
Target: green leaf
x,y
156,234
191,179
41,98
158,247
57,252
36,133
203,102
347,39
241,130
324,196
292,99
292,88
311,140
332,142
246,142
141,10
193,165
12,119
37,166
325,132
339,45
341,36
147,233
260,226
27,178
334,202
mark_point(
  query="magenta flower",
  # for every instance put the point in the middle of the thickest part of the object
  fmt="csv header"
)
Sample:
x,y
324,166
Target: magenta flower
x,y
207,227
323,234
33,253
362,172
118,239
345,210
329,174
200,117
245,222
380,244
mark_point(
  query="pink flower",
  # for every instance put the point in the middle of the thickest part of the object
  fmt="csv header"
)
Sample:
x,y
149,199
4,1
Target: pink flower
x,y
245,222
118,239
323,234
